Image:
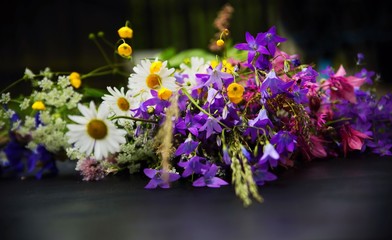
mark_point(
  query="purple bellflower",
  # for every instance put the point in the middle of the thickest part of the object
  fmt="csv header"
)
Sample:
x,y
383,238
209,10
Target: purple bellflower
x,y
157,178
209,179
253,46
271,39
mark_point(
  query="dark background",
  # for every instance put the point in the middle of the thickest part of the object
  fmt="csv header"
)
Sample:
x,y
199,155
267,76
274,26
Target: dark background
x,y
54,33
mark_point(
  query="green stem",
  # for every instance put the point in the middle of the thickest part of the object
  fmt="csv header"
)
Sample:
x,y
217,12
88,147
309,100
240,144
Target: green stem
x,y
135,119
12,84
337,120
102,51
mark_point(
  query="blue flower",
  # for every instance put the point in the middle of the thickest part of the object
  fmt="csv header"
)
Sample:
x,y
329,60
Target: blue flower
x,y
271,39
252,45
269,154
186,147
194,165
157,178
211,126
272,85
209,179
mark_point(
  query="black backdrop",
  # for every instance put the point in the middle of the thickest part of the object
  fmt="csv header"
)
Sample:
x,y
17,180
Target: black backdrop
x,y
54,33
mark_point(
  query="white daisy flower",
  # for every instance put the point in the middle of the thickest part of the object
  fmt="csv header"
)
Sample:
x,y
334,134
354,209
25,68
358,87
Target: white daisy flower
x,y
150,75
94,133
120,103
197,65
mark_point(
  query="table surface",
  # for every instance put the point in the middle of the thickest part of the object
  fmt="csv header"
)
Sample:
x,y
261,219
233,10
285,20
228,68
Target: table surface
x,y
339,198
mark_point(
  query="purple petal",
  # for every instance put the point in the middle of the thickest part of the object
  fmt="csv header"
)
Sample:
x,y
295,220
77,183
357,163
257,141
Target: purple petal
x,y
151,185
199,182
150,172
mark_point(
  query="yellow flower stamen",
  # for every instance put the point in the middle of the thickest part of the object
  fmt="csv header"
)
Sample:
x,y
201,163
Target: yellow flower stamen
x,y
97,129
227,67
153,81
235,92
214,63
75,80
155,67
38,105
125,32
164,93
123,104
124,50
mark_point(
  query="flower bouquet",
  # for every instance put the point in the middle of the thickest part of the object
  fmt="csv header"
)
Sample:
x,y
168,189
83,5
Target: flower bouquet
x,y
233,117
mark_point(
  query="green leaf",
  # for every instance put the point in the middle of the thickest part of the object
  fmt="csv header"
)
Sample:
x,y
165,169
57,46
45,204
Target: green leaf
x,y
93,92
179,58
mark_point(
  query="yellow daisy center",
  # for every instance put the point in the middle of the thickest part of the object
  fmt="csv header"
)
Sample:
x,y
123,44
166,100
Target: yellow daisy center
x,y
164,93
97,129
123,104
153,81
155,67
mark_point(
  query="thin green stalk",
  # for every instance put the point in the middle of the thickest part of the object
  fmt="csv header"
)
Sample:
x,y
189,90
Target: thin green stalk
x,y
134,119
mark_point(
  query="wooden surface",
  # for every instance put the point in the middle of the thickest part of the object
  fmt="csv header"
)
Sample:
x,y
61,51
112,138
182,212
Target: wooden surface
x,y
325,199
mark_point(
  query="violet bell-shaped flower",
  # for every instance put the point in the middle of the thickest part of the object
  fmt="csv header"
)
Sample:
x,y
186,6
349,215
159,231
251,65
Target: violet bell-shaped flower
x,y
209,179
271,39
253,46
157,178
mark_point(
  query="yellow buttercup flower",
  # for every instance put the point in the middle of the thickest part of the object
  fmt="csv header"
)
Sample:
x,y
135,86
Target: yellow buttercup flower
x,y
38,105
164,93
125,32
235,92
75,80
124,50
220,43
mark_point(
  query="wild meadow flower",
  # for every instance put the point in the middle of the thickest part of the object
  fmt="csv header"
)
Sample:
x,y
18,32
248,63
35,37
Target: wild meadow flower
x,y
209,179
125,32
90,169
253,46
94,133
351,138
120,103
75,80
270,39
149,76
157,178
342,86
124,50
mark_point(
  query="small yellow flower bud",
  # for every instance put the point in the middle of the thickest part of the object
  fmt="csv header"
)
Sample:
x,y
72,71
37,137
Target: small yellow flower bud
x,y
220,43
38,105
125,32
75,80
124,50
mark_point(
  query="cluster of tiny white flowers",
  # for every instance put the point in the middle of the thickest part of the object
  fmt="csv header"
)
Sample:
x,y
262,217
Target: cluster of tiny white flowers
x,y
51,135
5,98
45,84
25,103
74,154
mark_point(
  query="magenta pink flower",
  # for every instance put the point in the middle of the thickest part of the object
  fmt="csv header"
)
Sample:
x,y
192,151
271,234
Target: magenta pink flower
x,y
351,138
342,87
90,169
